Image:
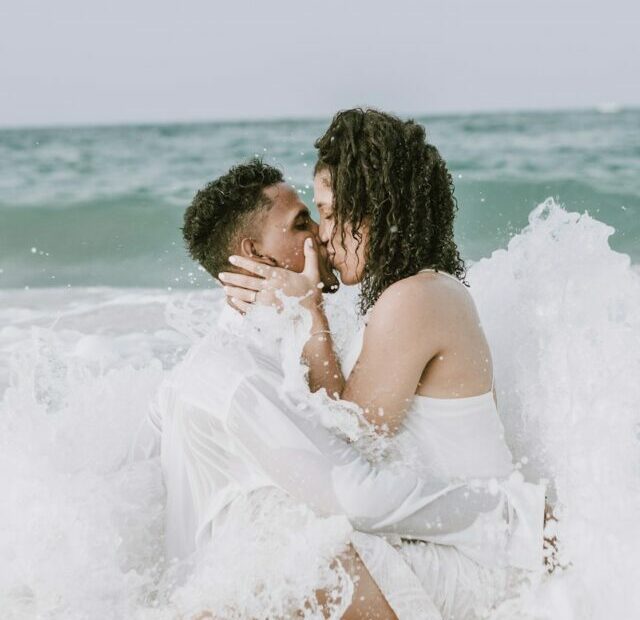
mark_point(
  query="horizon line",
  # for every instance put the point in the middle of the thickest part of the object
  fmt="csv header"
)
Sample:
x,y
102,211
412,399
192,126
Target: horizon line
x,y
602,108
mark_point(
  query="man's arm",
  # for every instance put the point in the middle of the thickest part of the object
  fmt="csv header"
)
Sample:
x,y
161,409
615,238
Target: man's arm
x,y
318,469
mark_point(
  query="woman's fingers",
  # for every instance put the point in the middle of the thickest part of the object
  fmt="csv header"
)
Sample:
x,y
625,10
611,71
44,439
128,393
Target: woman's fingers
x,y
243,294
253,266
242,298
237,279
240,305
310,260
236,308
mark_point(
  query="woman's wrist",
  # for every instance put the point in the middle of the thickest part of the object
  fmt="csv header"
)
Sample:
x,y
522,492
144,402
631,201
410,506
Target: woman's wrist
x,y
319,321
313,300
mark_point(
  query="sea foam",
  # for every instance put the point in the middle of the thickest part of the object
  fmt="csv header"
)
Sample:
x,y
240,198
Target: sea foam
x,y
81,528
562,313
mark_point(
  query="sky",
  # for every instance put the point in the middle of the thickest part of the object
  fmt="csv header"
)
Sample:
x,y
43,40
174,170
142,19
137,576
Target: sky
x,y
89,62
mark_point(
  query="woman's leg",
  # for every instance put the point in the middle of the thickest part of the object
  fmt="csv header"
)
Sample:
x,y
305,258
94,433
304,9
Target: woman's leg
x,y
368,602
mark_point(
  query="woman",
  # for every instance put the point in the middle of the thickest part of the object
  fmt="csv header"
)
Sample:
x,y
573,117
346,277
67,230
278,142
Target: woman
x,y
423,371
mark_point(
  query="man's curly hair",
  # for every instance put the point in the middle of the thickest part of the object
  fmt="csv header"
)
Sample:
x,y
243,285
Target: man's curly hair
x,y
222,208
386,176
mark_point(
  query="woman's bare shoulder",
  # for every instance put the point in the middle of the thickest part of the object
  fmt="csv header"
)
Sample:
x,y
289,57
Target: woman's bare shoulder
x,y
413,297
422,298
428,288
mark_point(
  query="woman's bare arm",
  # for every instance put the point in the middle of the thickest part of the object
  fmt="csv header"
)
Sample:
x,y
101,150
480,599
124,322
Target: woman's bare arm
x,y
320,356
384,379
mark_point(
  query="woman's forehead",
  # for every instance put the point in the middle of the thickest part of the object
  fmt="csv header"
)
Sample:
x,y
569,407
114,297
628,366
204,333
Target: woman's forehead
x,y
322,179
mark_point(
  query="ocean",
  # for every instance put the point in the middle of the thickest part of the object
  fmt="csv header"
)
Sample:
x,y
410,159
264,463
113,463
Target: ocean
x,y
99,302
102,206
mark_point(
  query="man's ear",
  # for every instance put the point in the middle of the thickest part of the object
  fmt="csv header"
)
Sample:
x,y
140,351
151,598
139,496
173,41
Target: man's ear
x,y
249,249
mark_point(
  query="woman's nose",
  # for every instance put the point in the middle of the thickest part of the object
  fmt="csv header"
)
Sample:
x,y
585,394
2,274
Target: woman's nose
x,y
324,232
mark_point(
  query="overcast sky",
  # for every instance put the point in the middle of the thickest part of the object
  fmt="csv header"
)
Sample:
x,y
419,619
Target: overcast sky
x,y
85,61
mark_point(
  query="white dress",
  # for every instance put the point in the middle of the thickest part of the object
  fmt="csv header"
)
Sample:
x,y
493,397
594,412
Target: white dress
x,y
229,428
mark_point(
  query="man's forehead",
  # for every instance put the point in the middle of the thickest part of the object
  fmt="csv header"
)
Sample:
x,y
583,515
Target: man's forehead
x,y
279,192
284,200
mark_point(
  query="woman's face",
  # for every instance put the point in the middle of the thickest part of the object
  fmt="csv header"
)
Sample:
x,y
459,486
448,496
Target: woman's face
x,y
346,255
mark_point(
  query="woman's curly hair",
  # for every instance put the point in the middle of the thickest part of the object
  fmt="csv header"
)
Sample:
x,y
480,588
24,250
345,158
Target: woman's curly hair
x,y
386,176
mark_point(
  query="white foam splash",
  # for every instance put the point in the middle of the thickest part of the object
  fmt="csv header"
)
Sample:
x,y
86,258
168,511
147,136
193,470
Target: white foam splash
x,y
562,312
81,530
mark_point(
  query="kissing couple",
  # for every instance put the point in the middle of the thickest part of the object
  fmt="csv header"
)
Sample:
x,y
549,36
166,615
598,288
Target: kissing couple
x,y
393,433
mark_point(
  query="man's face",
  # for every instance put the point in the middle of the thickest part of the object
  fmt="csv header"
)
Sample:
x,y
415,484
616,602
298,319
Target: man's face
x,y
283,228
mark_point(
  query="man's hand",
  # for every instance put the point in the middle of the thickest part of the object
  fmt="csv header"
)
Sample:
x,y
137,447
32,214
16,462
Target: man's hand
x,y
267,283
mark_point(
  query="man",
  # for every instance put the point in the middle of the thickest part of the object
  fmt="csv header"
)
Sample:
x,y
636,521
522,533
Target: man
x,y
228,430
251,210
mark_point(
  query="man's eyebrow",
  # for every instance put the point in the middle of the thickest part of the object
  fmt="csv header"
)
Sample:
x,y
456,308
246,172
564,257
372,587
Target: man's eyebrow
x,y
303,212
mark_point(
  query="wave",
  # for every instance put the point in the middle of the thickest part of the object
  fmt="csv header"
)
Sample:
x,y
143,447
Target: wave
x,y
135,239
80,367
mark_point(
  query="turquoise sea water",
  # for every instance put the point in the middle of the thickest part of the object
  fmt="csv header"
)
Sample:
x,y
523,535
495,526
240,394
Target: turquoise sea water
x,y
100,209
103,206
